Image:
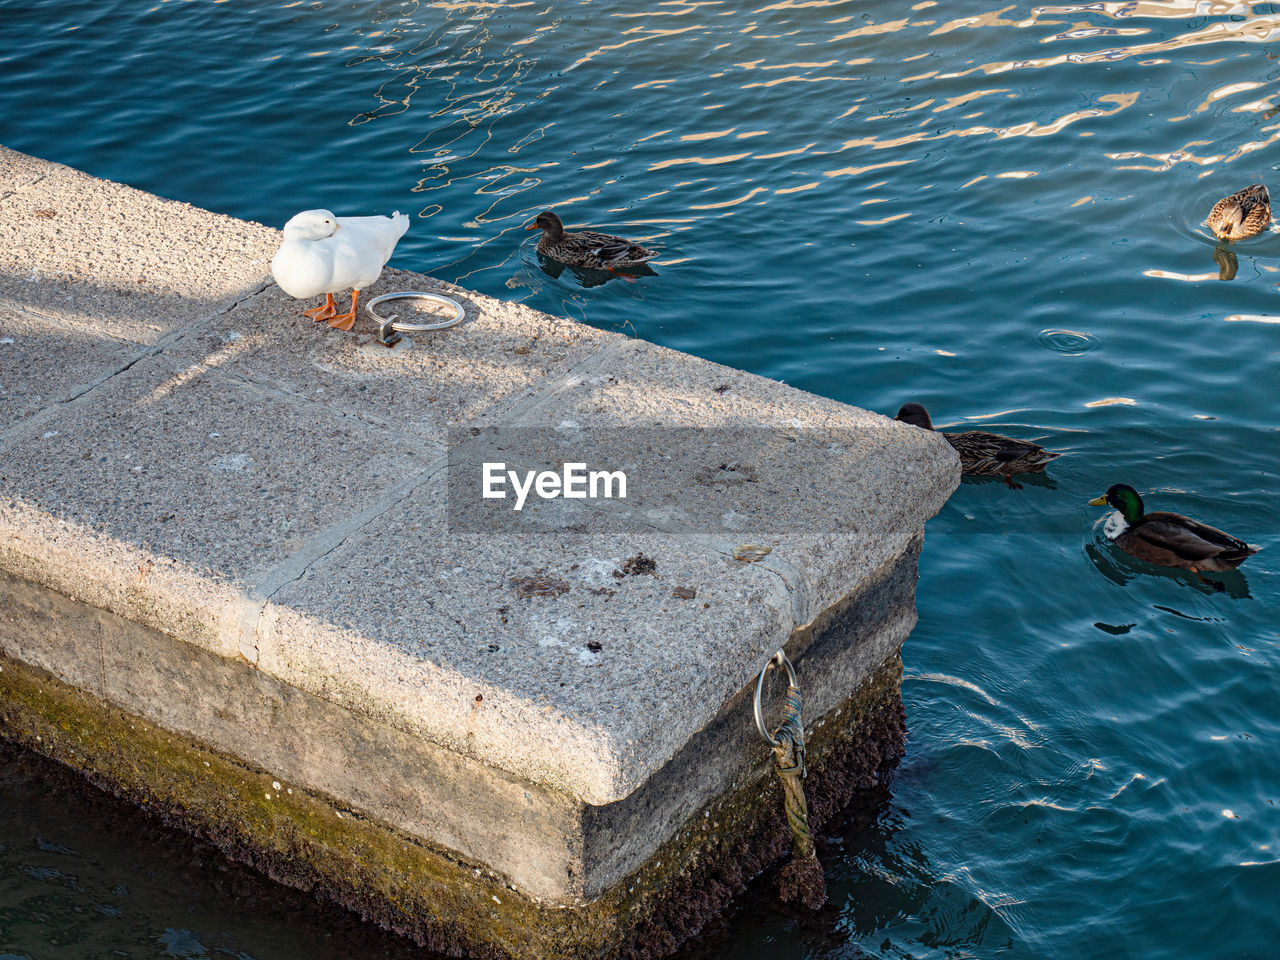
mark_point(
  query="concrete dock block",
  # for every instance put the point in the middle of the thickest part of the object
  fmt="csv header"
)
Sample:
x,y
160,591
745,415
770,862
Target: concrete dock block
x,y
238,549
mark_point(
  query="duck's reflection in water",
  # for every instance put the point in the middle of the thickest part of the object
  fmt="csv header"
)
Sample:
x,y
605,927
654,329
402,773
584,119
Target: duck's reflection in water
x,y
588,277
1120,568
1226,261
1034,479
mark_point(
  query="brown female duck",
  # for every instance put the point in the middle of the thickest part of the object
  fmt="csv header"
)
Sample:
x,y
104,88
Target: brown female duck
x,y
595,251
1243,214
985,454
1169,539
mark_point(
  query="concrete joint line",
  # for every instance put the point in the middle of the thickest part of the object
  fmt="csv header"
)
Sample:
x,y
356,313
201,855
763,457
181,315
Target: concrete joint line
x,y
222,311
179,334
173,336
315,549
558,385
38,419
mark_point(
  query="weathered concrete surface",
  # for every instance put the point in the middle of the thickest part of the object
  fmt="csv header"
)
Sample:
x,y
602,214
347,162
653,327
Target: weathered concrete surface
x,y
260,506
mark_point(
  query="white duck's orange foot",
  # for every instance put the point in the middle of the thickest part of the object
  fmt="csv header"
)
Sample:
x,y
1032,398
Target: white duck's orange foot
x,y
324,311
345,321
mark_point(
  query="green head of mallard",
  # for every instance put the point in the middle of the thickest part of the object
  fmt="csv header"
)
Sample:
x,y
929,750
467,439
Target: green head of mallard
x,y
1125,499
916,415
549,224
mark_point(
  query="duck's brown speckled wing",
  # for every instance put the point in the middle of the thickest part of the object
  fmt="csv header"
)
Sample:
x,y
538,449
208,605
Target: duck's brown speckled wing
x,y
1254,197
1258,213
992,454
597,251
610,249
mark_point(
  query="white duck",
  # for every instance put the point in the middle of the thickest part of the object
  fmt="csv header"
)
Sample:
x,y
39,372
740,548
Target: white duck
x,y
325,254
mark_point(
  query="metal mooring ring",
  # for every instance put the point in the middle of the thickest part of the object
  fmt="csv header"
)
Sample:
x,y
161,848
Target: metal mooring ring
x,y
779,659
390,328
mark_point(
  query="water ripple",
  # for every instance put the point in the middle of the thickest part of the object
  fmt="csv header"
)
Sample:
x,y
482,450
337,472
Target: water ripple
x,y
1069,343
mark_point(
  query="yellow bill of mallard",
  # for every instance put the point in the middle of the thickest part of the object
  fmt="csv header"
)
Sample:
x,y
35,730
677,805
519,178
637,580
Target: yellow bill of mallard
x,y
1098,502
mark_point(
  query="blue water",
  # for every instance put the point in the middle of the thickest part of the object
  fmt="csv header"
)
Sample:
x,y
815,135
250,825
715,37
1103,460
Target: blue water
x,y
997,214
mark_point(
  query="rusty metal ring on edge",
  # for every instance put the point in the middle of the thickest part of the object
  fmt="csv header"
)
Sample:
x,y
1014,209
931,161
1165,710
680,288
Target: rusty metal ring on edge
x,y
779,659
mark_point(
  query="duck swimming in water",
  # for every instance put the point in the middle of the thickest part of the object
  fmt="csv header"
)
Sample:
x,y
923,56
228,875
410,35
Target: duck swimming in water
x,y
325,254
1169,539
1243,214
595,251
985,454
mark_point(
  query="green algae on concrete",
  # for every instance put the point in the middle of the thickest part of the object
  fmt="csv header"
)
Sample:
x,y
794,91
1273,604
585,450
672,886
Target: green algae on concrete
x,y
310,841
295,836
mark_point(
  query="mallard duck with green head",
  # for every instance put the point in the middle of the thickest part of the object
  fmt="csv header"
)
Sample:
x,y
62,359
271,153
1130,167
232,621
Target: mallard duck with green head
x,y
1243,214
1169,539
595,251
985,454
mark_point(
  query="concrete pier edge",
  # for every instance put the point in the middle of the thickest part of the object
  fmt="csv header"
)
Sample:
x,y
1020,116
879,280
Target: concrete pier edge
x,y
314,843
225,563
